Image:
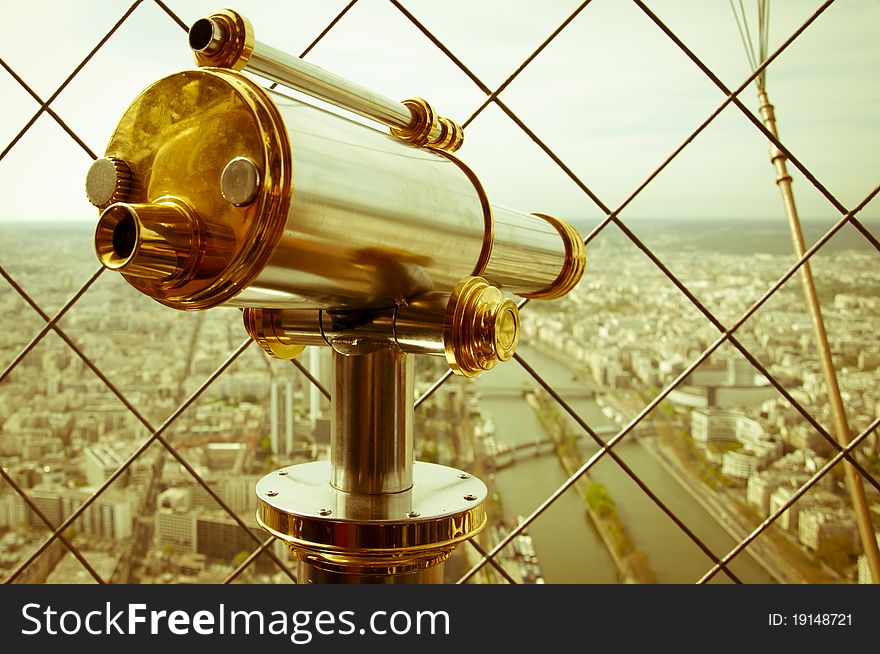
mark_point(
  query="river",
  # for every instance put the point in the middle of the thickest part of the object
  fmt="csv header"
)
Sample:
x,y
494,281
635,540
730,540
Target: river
x,y
566,542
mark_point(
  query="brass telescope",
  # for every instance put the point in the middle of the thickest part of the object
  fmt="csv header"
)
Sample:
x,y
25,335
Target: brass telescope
x,y
217,191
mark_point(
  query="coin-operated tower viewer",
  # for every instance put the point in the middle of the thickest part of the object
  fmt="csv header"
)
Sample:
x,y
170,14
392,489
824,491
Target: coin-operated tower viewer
x,y
380,244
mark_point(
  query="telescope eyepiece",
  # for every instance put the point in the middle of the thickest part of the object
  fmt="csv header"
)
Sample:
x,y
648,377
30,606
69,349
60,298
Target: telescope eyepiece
x,y
149,241
206,35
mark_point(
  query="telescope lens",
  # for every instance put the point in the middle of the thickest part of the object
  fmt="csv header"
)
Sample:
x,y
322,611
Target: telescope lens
x,y
201,34
506,330
116,236
124,235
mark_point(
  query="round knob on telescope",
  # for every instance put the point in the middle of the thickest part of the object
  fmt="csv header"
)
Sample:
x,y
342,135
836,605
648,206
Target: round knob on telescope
x,y
262,326
240,181
108,181
481,327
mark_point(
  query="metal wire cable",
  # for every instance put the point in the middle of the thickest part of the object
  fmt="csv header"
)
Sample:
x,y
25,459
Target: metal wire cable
x,y
210,491
736,343
323,33
620,462
45,105
525,63
504,573
807,485
172,15
250,559
134,456
612,216
308,375
510,114
42,516
672,385
745,110
759,70
50,324
693,135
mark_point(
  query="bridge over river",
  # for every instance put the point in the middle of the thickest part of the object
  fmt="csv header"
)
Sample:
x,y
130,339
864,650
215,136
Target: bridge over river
x,y
568,392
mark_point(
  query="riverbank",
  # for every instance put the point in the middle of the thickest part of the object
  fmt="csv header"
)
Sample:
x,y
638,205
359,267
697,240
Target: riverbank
x,y
784,561
632,564
710,503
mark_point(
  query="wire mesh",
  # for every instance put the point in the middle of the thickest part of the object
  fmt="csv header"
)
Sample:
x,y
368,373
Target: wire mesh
x,y
726,333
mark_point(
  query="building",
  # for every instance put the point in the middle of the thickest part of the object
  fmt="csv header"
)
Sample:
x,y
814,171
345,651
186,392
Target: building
x,y
723,386
277,419
179,498
238,492
100,462
48,501
13,512
739,464
220,537
825,530
717,425
109,517
760,487
225,456
757,451
70,571
288,417
175,530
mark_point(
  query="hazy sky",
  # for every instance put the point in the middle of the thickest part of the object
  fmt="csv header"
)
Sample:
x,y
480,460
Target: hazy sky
x,y
612,96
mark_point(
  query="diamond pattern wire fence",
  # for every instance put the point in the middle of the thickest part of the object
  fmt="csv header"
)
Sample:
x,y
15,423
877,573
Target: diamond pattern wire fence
x,y
158,434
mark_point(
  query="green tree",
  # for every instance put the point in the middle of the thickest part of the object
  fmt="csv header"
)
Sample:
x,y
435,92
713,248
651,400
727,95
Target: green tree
x,y
599,500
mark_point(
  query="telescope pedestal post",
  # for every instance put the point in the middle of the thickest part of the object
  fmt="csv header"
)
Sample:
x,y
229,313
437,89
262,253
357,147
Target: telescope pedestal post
x,y
371,514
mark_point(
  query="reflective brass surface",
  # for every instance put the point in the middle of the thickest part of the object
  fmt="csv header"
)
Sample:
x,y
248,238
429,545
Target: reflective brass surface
x,y
488,219
524,259
225,39
176,138
310,574
240,181
371,534
331,214
415,327
155,241
372,222
481,327
263,326
215,191
427,129
573,265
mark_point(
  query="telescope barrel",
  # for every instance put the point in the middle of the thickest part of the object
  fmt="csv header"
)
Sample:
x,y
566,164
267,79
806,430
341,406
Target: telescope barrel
x,y
294,207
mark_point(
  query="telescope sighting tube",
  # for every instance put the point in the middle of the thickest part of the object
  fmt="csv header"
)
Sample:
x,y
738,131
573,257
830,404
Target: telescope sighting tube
x,y
226,40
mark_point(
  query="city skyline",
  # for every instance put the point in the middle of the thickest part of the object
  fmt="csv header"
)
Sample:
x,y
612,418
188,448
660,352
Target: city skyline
x,y
618,351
